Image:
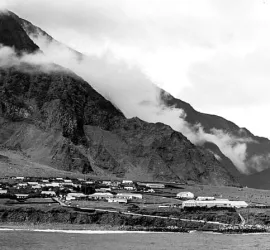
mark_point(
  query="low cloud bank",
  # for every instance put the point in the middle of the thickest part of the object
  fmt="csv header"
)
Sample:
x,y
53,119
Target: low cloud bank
x,y
127,87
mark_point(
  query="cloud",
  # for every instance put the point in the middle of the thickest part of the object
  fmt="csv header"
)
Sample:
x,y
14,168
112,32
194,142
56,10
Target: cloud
x,y
9,58
258,163
3,5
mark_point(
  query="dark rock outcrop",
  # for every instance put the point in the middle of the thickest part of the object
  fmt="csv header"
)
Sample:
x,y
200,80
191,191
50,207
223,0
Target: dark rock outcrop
x,y
13,35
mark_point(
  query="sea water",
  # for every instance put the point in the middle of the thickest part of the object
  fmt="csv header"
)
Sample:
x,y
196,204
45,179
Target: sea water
x,y
57,239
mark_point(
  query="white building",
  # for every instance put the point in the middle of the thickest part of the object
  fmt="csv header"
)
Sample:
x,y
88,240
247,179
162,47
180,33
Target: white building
x,y
67,181
127,182
3,191
118,200
48,193
155,185
32,183
239,204
129,188
89,182
108,183
75,196
185,195
100,196
21,196
149,191
53,184
21,185
67,184
214,203
103,189
129,196
19,178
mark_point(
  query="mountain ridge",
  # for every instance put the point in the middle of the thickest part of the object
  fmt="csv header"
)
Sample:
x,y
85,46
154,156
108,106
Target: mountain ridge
x,y
58,119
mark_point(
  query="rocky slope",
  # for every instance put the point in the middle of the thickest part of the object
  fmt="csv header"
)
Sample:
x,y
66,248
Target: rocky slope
x,y
258,148
37,33
58,119
258,180
59,217
13,35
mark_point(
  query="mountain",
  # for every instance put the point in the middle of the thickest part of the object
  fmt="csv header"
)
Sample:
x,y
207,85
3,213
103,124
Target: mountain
x,y
258,148
55,118
258,180
257,157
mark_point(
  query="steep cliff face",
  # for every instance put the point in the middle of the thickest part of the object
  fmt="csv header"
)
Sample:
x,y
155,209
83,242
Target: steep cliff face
x,y
58,119
13,35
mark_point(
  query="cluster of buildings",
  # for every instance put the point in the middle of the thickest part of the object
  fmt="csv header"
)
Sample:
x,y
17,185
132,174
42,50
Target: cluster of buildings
x,y
104,196
114,191
75,189
208,202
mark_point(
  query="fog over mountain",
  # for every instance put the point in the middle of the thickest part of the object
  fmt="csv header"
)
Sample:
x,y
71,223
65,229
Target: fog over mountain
x,y
212,54
131,91
51,116
137,96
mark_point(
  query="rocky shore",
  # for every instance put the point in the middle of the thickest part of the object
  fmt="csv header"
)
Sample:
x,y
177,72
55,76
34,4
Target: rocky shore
x,y
68,219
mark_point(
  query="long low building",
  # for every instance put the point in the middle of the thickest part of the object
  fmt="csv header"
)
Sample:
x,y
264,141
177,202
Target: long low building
x,y
155,185
117,200
203,198
129,196
100,196
214,203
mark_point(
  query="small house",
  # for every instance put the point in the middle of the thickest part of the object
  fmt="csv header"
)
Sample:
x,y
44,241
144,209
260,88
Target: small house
x,y
185,196
127,182
108,183
131,188
3,191
75,196
20,178
22,185
48,194
32,183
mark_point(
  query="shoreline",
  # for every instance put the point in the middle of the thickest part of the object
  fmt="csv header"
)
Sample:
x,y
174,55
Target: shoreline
x,y
100,232
96,229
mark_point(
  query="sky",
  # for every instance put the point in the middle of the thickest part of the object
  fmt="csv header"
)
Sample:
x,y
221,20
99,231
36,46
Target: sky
x,y
213,54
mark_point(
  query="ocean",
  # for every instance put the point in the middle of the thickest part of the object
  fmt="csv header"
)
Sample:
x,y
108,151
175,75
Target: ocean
x,y
97,240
